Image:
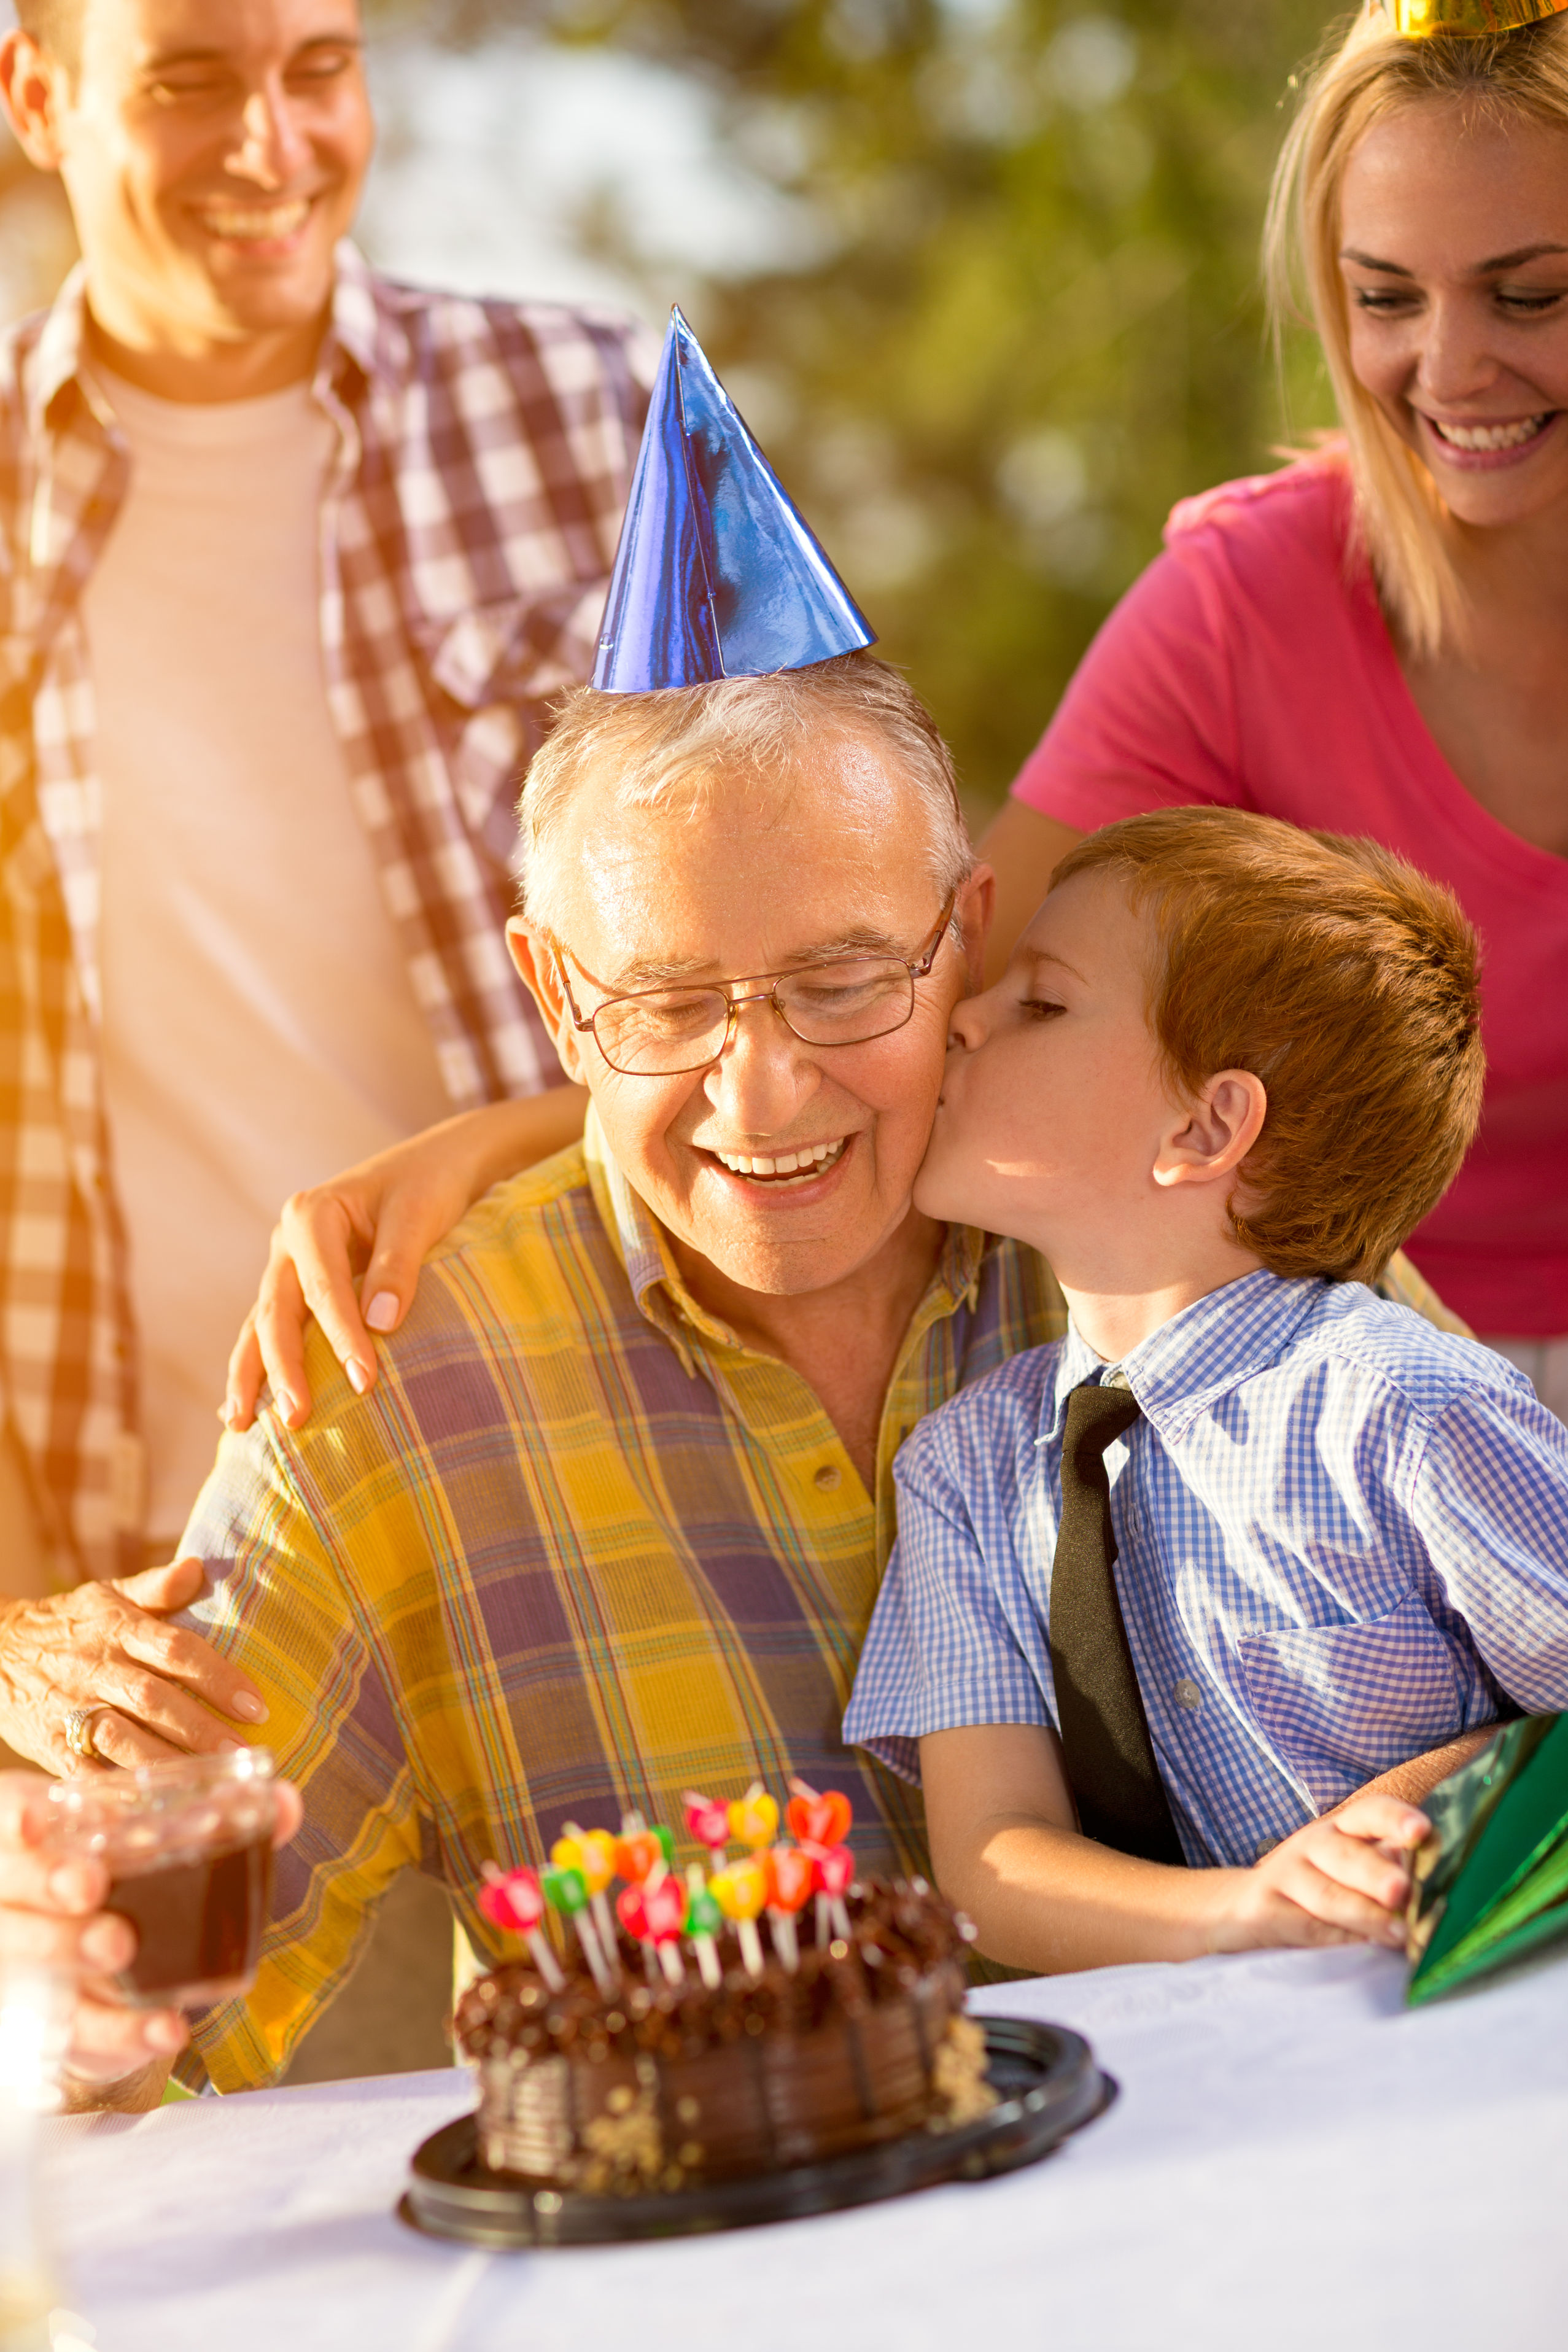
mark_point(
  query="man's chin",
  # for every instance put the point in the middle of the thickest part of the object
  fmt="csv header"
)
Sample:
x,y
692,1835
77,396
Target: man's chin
x,y
780,1270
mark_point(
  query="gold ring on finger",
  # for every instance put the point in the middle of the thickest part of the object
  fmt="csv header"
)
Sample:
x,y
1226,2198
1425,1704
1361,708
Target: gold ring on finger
x,y
78,1733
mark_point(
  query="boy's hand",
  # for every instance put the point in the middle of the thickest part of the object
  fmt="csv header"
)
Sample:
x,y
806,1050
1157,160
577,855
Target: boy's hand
x,y
1344,1879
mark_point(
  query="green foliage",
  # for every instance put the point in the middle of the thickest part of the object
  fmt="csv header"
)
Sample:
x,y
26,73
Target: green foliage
x,y
1034,319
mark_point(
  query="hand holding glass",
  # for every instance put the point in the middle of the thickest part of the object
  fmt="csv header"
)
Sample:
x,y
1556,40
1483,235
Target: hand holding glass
x,y
188,1851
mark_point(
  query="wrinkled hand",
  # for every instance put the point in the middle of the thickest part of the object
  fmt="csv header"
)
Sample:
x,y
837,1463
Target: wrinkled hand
x,y
106,1645
52,1915
1344,1879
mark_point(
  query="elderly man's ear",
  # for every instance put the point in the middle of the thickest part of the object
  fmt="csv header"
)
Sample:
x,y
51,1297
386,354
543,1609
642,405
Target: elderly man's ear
x,y
530,953
976,905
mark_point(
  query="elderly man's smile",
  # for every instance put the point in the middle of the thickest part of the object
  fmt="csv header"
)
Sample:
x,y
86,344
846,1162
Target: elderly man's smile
x,y
783,1171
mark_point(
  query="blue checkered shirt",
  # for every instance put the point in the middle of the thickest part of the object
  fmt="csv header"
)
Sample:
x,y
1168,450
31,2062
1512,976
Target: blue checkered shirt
x,y
1343,1538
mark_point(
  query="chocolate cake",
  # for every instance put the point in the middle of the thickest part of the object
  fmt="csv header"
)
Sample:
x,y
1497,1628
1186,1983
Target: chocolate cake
x,y
656,2087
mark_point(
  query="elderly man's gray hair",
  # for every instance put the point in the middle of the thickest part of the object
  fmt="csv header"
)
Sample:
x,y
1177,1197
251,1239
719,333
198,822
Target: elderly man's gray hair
x,y
686,745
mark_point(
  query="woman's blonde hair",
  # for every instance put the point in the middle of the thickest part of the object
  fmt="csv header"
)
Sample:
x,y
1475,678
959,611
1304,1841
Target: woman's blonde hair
x,y
1371,73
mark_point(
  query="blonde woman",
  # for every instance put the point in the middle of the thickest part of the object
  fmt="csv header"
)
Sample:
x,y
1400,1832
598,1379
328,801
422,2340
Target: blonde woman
x,y
1374,639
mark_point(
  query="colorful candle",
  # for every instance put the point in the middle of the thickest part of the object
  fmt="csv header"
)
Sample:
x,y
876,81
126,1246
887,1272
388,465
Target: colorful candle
x,y
754,1817
513,1901
834,1874
630,1912
592,1852
640,1851
567,1891
818,1817
708,1823
664,1910
704,1922
741,1891
789,1874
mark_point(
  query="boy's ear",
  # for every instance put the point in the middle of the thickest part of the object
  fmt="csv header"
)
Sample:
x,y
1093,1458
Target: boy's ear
x,y
1212,1136
530,953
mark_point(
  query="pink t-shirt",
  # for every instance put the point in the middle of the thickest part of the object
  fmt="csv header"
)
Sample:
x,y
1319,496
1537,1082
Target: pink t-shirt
x,y
1249,667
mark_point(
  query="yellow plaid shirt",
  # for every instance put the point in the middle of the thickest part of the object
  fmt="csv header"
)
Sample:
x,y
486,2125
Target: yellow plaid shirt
x,y
579,1549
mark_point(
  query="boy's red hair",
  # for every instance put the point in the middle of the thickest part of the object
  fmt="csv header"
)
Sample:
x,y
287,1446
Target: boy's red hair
x,y
1347,982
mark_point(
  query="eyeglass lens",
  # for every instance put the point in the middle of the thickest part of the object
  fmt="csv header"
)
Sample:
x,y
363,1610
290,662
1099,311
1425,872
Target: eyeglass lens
x,y
684,1028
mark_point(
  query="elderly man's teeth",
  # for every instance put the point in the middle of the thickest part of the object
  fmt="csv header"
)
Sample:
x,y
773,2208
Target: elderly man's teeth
x,y
1490,437
252,224
811,1160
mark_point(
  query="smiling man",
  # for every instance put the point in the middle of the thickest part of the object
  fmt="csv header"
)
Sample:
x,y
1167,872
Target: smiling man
x,y
293,559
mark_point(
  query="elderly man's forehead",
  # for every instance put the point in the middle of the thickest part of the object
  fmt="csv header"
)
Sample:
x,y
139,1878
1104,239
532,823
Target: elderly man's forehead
x,y
735,881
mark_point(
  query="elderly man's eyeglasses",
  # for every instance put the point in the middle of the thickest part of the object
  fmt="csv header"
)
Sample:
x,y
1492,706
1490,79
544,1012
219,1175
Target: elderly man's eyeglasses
x,y
661,1032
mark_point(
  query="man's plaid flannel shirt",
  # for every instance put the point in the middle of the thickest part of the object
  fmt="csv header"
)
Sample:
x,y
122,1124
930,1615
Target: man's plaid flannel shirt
x,y
468,526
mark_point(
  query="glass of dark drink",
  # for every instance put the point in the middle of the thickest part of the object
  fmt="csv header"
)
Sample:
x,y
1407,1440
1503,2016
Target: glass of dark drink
x,y
188,1848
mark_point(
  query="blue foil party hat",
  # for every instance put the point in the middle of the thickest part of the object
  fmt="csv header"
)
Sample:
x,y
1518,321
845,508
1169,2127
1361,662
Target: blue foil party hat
x,y
717,575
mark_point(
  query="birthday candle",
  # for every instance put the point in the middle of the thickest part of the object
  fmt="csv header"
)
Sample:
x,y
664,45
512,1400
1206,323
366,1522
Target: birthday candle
x,y
703,1921
740,1892
664,1910
708,1823
593,1852
633,1917
789,1873
567,1890
835,1873
511,1900
818,1818
640,1851
754,1817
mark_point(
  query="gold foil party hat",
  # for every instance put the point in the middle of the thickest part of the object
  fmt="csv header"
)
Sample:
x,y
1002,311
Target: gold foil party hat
x,y
1420,18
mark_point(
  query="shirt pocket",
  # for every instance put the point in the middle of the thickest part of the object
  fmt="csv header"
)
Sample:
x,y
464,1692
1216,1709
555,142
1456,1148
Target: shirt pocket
x,y
1340,1704
494,668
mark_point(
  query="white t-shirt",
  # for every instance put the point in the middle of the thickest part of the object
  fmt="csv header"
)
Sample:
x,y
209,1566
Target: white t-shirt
x,y
260,1029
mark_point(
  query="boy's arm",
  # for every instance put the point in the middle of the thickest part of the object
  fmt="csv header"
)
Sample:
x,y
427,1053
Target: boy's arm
x,y
1414,1781
1044,1897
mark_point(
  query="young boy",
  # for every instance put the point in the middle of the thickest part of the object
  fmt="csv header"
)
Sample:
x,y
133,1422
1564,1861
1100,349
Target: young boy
x,y
1172,1590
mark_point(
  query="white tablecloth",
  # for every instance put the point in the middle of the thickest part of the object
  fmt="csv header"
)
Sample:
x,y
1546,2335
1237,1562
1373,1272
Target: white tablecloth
x,y
1293,2161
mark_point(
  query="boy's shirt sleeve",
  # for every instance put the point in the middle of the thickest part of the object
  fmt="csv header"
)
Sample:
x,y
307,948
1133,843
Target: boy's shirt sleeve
x,y
942,1653
1490,1503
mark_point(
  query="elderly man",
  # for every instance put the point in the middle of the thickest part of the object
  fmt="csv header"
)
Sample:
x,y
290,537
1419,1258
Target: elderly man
x,y
611,1521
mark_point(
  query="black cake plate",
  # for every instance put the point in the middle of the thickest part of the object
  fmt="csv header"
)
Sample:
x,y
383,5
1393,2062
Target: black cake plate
x,y
1049,2083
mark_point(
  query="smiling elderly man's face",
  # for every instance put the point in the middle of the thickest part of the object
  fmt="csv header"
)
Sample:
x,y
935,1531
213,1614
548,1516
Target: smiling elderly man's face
x,y
756,879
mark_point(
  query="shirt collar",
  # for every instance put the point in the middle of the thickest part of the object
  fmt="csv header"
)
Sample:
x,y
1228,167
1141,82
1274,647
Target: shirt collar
x,y
641,1244
360,331
1179,1371
62,344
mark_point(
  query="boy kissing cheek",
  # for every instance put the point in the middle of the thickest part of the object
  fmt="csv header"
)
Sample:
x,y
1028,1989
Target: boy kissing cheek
x,y
1061,1123
1185,1607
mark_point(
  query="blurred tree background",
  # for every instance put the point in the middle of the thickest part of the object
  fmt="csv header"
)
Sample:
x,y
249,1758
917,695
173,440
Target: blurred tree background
x,y
1018,315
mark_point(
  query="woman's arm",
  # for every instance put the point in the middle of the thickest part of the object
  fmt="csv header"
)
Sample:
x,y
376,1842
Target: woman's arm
x,y
1042,1897
1025,849
382,1216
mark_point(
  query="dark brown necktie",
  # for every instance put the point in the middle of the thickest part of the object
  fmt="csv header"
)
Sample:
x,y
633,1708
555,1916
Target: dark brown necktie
x,y
1100,1709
